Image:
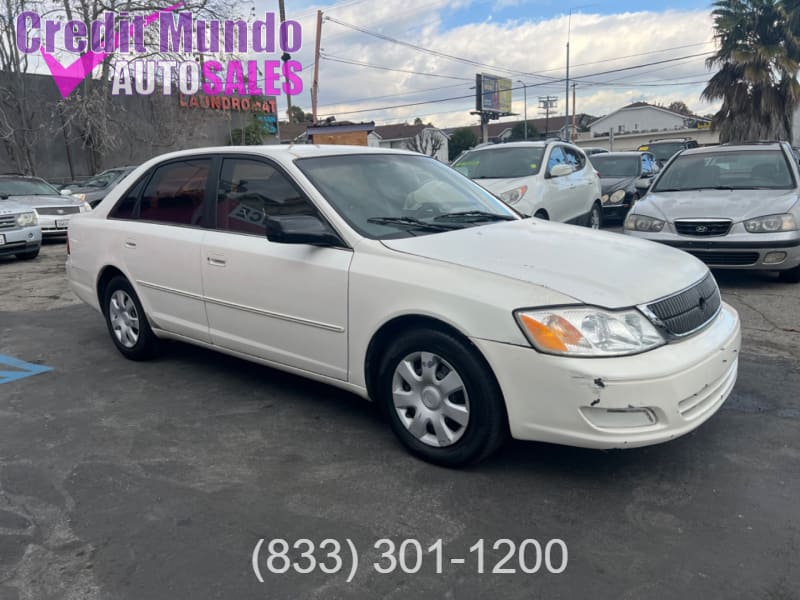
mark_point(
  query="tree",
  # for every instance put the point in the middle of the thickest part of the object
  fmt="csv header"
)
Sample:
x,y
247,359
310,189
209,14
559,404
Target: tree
x,y
460,140
253,134
758,58
518,131
297,115
418,121
427,142
679,106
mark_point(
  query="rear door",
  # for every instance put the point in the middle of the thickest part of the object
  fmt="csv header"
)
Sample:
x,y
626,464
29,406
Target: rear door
x,y
557,193
285,303
583,186
160,224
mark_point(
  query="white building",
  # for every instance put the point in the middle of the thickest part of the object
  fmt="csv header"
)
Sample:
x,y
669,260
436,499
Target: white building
x,y
420,138
641,117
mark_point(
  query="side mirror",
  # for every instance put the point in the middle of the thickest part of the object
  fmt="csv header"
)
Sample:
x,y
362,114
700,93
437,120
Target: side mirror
x,y
300,229
560,170
65,192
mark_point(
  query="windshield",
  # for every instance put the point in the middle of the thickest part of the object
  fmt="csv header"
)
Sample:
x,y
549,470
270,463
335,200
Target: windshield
x,y
500,163
421,195
616,166
742,169
26,187
105,178
663,152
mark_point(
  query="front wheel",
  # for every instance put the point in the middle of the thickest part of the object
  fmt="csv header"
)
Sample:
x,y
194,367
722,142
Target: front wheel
x,y
595,217
790,275
441,399
130,331
30,255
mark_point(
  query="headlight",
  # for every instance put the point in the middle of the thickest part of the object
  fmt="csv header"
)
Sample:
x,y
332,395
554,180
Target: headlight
x,y
27,219
604,198
81,197
618,196
514,196
588,331
86,207
643,223
771,224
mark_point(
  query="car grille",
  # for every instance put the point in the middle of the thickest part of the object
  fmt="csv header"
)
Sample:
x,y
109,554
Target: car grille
x,y
8,222
725,259
702,228
690,309
58,210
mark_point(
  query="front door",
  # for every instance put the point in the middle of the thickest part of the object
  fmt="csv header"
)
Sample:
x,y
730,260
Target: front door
x,y
285,303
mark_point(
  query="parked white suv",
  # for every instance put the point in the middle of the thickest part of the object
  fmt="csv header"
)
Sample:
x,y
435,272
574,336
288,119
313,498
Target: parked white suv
x,y
388,274
549,179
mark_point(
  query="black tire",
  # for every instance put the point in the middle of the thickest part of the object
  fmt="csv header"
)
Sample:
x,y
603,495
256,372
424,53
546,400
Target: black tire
x,y
147,344
596,212
540,214
28,255
790,275
487,427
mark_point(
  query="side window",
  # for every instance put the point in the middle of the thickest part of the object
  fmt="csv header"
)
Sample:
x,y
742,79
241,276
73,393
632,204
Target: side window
x,y
175,193
126,206
575,158
557,157
647,166
250,191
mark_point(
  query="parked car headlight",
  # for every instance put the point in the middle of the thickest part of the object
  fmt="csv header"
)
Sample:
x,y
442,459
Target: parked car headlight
x,y
643,223
604,198
81,197
588,331
618,196
771,224
86,207
514,196
27,219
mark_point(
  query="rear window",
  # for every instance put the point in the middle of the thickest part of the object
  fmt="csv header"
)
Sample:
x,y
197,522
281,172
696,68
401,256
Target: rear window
x,y
500,163
663,151
741,169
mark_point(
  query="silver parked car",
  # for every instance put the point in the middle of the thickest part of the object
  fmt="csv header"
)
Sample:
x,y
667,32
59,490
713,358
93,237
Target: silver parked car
x,y
96,188
53,209
732,206
20,233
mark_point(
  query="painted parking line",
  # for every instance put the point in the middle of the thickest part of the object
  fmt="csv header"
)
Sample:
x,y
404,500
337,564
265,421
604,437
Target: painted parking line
x,y
19,369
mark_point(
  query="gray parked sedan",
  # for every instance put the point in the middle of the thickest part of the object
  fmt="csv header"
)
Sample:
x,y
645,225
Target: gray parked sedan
x,y
54,210
732,206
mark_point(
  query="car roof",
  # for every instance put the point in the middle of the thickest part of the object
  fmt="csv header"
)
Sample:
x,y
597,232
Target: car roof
x,y
625,153
519,144
288,151
775,146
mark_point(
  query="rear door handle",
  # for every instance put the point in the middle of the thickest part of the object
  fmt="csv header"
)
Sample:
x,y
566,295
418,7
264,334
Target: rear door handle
x,y
216,261
130,244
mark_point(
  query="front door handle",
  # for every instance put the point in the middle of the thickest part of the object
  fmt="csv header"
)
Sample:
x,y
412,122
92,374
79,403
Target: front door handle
x,y
130,244
216,261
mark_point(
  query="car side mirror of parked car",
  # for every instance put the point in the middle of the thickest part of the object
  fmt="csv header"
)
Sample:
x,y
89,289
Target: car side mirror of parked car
x,y
559,171
300,229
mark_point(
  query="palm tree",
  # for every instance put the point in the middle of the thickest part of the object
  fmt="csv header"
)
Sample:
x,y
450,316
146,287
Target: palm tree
x,y
758,58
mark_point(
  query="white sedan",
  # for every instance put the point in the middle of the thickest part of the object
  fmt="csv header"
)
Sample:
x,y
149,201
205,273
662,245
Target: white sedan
x,y
390,275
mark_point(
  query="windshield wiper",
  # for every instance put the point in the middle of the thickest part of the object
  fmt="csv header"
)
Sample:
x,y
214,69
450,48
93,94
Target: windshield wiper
x,y
474,215
410,222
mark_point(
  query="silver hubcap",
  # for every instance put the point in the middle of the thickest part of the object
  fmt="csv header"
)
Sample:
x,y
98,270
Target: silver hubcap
x,y
124,319
430,399
595,218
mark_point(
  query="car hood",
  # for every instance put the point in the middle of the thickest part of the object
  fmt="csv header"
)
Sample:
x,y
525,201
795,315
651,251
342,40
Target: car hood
x,y
34,201
612,184
86,189
498,186
738,205
594,267
9,207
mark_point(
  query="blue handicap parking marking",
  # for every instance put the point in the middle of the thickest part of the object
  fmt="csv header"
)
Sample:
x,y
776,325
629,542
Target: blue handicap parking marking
x,y
12,369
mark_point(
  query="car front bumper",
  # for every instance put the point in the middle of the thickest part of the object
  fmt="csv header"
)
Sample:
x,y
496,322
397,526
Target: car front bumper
x,y
774,252
23,239
620,402
54,225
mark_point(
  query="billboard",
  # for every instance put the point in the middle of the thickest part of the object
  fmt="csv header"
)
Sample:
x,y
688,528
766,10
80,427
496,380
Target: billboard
x,y
493,94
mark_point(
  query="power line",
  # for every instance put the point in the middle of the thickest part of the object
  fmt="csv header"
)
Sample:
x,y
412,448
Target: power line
x,y
371,66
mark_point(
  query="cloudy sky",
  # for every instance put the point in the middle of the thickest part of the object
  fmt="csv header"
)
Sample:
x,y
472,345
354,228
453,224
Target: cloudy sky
x,y
521,39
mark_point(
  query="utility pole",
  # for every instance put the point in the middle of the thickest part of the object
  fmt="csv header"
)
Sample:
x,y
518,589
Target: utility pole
x,y
566,97
285,57
545,104
574,115
315,84
525,111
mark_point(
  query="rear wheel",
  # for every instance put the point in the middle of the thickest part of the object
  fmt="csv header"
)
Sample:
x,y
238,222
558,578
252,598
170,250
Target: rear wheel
x,y
441,399
790,275
595,217
130,331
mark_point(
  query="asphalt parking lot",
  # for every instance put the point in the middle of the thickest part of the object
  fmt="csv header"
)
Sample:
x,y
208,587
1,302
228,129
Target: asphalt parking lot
x,y
156,480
